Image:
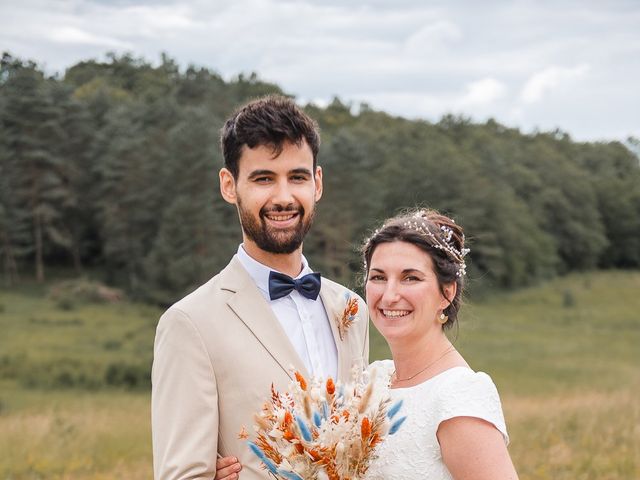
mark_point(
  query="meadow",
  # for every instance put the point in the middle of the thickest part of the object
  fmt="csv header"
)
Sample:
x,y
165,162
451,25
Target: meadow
x,y
74,390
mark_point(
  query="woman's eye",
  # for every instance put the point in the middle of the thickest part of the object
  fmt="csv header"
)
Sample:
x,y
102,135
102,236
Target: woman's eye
x,y
376,277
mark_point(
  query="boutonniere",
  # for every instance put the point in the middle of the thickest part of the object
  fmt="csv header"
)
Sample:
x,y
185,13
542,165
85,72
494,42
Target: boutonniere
x,y
348,315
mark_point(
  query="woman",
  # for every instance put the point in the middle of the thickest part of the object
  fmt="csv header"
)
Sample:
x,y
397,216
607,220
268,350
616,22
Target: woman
x,y
415,268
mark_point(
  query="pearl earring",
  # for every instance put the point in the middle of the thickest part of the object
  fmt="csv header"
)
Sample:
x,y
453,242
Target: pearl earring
x,y
443,318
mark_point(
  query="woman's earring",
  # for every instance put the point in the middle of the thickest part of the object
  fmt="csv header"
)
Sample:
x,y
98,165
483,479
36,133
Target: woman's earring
x,y
443,318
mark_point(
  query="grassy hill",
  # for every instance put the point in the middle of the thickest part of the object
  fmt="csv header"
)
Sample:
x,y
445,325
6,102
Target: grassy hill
x,y
74,401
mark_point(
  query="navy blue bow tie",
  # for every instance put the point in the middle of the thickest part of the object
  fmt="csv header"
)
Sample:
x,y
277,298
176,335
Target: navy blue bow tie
x,y
281,285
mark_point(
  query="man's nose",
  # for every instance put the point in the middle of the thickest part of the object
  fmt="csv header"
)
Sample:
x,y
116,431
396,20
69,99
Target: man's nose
x,y
283,195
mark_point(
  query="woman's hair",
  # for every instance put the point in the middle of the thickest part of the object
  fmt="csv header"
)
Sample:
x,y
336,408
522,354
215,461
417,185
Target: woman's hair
x,y
435,234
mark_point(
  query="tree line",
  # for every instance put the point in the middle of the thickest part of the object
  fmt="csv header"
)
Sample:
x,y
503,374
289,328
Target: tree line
x,y
112,167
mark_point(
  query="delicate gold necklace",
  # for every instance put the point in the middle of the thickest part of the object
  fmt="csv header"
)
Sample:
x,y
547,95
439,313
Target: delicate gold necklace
x,y
396,379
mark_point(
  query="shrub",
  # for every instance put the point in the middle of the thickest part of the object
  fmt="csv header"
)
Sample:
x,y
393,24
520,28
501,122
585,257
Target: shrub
x,y
112,345
67,293
568,300
128,375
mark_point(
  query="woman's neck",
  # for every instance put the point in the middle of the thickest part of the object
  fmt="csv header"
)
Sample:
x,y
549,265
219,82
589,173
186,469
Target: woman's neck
x,y
416,361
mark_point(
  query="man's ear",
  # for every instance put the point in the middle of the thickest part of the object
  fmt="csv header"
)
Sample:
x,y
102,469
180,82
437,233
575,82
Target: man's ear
x,y
318,181
228,186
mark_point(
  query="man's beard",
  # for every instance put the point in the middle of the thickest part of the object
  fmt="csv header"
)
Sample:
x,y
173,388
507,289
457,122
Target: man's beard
x,y
272,240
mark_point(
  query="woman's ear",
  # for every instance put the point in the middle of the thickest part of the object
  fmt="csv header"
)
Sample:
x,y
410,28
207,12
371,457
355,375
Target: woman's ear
x,y
449,290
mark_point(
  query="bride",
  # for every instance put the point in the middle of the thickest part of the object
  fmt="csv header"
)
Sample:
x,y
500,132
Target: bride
x,y
455,429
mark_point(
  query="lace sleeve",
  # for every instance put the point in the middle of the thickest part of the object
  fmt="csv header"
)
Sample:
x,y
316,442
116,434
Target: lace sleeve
x,y
471,394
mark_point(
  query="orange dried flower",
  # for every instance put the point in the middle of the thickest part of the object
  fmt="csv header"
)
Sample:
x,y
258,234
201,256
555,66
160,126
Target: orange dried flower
x,y
365,429
301,381
243,434
353,306
331,387
315,455
288,418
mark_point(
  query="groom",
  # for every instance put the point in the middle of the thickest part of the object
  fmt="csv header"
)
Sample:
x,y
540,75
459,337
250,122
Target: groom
x,y
218,350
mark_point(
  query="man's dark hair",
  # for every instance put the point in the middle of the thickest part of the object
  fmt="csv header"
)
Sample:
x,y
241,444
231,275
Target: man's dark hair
x,y
269,121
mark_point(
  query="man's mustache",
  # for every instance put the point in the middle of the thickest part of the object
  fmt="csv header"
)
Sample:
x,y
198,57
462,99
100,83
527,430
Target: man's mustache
x,y
282,210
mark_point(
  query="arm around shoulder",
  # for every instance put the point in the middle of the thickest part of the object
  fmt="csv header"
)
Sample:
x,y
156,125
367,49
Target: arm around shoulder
x,y
364,318
184,414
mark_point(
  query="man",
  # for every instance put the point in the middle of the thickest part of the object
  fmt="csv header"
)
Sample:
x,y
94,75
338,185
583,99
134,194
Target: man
x,y
218,350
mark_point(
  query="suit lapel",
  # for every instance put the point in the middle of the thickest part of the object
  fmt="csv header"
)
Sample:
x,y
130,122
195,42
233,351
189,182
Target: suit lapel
x,y
334,304
254,311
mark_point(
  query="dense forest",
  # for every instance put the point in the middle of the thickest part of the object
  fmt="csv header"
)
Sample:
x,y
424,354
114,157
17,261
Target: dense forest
x,y
112,168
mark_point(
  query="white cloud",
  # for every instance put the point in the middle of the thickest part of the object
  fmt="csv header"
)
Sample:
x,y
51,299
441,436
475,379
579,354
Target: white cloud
x,y
549,79
439,34
527,64
482,92
76,36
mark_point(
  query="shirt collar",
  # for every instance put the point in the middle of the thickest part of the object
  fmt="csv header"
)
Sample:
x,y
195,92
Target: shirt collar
x,y
260,272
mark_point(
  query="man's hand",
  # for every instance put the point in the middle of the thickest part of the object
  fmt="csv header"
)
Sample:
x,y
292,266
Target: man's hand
x,y
228,468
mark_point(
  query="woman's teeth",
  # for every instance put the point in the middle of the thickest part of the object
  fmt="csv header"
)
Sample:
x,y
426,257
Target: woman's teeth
x,y
395,313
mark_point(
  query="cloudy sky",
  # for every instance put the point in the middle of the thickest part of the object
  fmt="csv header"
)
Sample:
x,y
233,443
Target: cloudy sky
x,y
573,65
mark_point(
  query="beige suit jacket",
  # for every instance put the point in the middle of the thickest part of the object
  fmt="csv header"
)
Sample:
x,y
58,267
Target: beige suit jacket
x,y
217,352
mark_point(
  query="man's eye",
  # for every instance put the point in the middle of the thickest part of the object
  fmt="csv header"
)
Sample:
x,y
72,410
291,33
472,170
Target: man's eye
x,y
299,178
262,179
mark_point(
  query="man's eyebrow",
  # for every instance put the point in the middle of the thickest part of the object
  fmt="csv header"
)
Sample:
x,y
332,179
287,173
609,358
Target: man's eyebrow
x,y
300,171
260,173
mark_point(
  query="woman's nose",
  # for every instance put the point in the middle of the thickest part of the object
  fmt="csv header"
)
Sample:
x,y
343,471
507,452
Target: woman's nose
x,y
391,293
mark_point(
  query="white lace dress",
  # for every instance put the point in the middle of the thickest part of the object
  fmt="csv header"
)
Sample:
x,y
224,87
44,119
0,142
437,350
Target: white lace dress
x,y
414,452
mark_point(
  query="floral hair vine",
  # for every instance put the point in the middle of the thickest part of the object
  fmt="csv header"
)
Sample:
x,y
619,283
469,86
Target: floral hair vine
x,y
443,241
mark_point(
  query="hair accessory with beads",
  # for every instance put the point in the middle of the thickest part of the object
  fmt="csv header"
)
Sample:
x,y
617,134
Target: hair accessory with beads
x,y
441,241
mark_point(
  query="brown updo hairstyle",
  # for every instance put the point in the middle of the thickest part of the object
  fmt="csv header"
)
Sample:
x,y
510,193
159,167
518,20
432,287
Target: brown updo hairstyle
x,y
410,227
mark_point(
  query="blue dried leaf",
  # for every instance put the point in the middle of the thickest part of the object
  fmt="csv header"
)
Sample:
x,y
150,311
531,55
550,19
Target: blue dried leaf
x,y
304,430
263,458
289,475
394,409
396,425
317,419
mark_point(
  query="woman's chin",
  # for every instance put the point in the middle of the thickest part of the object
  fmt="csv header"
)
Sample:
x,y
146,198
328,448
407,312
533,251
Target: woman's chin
x,y
393,332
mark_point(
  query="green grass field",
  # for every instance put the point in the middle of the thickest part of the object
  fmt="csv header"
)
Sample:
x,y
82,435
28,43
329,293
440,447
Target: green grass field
x,y
74,400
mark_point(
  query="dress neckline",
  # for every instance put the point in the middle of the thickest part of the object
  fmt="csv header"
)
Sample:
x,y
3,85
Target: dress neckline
x,y
428,379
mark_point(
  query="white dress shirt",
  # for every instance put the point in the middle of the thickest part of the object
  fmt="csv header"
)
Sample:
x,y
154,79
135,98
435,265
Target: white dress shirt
x,y
305,321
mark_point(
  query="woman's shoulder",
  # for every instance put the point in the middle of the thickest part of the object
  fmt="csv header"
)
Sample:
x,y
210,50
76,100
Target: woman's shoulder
x,y
464,392
465,383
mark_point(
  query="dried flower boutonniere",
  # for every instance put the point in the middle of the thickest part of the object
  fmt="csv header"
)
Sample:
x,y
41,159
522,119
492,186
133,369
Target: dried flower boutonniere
x,y
348,316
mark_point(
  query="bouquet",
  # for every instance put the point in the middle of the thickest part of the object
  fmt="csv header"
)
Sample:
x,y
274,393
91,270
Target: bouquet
x,y
322,430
